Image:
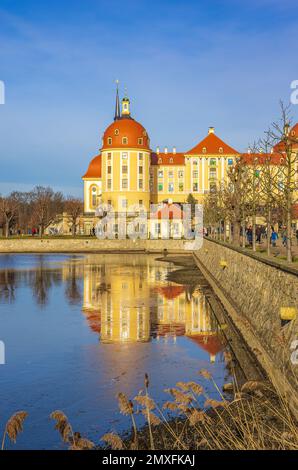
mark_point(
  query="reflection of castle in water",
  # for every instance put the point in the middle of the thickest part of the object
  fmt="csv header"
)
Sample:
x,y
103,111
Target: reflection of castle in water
x,y
131,303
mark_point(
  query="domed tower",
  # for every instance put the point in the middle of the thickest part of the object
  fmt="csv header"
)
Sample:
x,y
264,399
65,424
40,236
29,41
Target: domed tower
x,y
125,161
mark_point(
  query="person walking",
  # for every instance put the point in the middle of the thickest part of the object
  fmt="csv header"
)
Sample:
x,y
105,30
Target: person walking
x,y
249,235
258,234
274,237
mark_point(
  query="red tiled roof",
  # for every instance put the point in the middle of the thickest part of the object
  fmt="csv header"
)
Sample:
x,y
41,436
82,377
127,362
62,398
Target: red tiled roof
x,y
167,159
94,168
293,135
294,130
213,145
171,292
210,343
262,158
168,211
295,211
93,319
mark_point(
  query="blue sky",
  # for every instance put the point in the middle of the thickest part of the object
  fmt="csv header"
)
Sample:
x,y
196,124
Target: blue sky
x,y
187,65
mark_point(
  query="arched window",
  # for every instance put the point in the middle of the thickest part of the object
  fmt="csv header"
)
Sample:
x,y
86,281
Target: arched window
x,y
171,160
116,131
124,140
220,149
204,150
93,196
110,140
140,140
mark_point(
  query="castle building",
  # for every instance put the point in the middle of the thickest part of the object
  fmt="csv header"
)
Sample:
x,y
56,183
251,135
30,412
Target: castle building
x,y
127,172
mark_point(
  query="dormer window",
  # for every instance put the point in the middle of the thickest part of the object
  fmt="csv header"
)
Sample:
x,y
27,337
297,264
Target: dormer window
x,y
116,131
110,140
124,140
220,149
140,140
204,150
159,160
171,160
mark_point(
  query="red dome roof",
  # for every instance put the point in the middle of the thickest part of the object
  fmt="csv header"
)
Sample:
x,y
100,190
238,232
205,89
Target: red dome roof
x,y
135,134
94,168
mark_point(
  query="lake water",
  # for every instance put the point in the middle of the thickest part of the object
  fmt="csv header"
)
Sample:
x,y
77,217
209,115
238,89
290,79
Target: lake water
x,y
80,329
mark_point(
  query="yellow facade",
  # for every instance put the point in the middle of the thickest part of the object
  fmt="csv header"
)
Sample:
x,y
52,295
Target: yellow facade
x,y
196,177
125,179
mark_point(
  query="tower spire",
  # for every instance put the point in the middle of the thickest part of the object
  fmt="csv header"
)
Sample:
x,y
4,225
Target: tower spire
x,y
117,107
125,105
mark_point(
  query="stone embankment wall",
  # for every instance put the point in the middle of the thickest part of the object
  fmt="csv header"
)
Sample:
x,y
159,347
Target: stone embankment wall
x,y
82,245
253,292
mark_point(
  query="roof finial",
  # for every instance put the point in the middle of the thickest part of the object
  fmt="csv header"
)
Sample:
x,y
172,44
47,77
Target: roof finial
x,y
117,107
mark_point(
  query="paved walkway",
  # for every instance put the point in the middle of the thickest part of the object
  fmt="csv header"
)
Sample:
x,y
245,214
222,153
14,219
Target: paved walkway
x,y
279,250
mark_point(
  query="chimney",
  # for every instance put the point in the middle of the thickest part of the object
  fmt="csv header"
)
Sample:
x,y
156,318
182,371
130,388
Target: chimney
x,y
249,150
174,149
157,150
166,149
211,130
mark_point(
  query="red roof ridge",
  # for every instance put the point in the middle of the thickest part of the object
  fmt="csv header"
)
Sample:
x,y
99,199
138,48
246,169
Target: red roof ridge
x,y
167,158
212,143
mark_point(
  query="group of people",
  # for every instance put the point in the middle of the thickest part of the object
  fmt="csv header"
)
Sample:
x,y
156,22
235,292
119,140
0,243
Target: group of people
x,y
261,232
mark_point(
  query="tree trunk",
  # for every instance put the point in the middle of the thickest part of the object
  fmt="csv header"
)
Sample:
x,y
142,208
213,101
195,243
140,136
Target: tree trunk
x,y
289,234
243,234
268,231
230,232
6,229
236,235
73,229
254,247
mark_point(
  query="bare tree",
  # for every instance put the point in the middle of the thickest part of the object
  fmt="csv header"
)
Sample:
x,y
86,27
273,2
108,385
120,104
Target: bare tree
x,y
234,197
46,204
74,208
9,210
212,214
270,177
286,146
